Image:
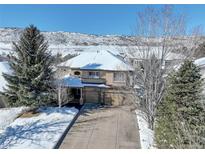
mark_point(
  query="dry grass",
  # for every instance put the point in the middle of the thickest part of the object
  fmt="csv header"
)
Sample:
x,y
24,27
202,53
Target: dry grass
x,y
30,114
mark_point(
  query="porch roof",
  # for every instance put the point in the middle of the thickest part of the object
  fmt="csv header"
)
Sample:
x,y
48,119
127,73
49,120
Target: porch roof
x,y
75,82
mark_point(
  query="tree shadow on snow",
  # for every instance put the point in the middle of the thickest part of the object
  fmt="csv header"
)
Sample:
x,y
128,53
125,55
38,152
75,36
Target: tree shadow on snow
x,y
62,110
21,134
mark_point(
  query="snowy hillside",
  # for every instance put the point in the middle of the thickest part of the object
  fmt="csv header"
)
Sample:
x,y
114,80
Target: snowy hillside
x,y
68,38
68,42
64,41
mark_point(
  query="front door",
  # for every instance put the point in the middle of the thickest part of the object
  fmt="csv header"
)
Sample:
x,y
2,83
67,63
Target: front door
x,y
76,93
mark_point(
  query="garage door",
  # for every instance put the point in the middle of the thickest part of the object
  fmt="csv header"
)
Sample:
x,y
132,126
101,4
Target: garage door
x,y
91,95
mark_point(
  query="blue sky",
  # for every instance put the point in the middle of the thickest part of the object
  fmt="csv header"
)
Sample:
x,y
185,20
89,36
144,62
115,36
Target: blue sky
x,y
92,19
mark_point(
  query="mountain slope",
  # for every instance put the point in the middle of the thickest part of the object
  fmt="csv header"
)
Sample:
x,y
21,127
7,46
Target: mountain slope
x,y
67,42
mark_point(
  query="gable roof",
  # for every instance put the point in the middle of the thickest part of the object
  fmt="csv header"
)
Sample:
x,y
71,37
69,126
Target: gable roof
x,y
98,60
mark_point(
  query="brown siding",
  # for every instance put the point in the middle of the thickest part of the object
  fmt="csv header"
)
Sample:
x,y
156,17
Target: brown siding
x,y
108,96
62,72
109,78
114,97
107,75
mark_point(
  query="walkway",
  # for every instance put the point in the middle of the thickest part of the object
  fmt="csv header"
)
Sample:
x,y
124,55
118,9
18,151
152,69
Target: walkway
x,y
103,128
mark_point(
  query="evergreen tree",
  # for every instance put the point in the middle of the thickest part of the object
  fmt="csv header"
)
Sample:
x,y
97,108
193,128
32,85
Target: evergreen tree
x,y
166,120
181,116
30,83
187,91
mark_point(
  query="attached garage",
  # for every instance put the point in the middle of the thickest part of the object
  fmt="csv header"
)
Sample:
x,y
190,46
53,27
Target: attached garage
x,y
91,95
87,92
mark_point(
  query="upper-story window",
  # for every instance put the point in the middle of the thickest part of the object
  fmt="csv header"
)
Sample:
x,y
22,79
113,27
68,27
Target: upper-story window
x,y
77,73
119,76
93,74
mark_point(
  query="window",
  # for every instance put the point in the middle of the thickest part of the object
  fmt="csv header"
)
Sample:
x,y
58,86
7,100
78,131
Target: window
x,y
76,73
93,74
119,76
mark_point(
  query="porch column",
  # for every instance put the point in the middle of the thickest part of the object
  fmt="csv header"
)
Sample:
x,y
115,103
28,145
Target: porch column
x,y
103,97
81,96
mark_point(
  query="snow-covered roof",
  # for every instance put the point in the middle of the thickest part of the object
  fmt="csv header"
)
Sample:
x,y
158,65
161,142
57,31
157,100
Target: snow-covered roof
x,y
98,60
95,85
174,56
143,52
75,82
200,62
4,68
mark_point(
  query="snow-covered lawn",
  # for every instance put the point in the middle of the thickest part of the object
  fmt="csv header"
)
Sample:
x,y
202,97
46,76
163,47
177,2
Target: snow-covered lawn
x,y
8,115
40,131
146,134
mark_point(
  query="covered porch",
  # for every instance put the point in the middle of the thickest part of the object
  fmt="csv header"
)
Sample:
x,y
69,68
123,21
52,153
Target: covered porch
x,y
85,92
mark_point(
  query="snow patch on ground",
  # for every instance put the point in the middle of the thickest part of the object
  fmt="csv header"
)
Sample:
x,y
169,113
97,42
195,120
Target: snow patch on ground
x,y
41,131
8,115
146,134
4,68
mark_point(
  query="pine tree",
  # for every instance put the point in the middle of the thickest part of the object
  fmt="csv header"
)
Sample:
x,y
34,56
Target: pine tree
x,y
181,116
31,81
187,89
166,119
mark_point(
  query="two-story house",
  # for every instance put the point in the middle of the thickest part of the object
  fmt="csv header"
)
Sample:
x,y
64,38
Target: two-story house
x,y
99,76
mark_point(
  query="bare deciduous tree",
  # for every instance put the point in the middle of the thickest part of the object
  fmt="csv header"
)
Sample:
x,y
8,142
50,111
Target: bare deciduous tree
x,y
159,32
63,92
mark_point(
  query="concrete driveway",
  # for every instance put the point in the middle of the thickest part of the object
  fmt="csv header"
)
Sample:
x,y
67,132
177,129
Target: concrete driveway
x,y
103,128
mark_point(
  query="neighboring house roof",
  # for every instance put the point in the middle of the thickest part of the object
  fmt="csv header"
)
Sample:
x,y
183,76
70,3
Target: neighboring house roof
x,y
174,56
98,60
143,52
200,62
75,82
4,68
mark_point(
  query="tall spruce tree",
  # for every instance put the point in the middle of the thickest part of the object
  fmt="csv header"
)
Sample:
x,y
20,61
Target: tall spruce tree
x,y
181,116
30,83
166,130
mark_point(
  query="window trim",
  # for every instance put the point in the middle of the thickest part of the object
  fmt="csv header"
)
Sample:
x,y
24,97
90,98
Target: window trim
x,y
96,74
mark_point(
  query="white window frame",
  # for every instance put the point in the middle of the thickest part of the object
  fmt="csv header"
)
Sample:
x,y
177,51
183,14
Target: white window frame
x,y
121,77
95,74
